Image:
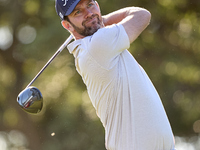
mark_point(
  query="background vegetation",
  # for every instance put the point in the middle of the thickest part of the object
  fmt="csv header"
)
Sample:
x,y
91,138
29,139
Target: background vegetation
x,y
30,33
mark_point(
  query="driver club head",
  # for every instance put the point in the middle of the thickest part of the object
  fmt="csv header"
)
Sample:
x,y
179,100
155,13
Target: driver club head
x,y
30,100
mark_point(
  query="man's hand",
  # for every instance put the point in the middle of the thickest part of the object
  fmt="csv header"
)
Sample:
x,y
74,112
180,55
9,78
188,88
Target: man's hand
x,y
134,20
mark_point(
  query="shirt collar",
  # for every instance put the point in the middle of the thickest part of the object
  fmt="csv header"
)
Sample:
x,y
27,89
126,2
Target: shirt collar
x,y
72,46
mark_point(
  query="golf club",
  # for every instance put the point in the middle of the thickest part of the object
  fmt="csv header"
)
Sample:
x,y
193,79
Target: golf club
x,y
30,99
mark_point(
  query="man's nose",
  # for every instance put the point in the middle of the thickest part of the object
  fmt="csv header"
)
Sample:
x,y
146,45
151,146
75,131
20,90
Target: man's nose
x,y
88,13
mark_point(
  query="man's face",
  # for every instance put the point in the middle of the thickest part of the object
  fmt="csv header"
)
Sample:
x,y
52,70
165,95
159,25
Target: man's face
x,y
86,18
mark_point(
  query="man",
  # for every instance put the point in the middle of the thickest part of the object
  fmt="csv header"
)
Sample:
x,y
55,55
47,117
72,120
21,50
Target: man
x,y
121,92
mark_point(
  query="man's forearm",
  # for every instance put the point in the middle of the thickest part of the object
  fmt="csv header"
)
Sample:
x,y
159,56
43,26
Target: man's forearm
x,y
117,16
133,19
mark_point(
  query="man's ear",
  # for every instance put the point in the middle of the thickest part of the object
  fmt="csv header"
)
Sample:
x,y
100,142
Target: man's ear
x,y
67,25
97,4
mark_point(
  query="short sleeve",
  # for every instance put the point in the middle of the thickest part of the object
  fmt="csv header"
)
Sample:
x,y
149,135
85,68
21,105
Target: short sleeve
x,y
108,42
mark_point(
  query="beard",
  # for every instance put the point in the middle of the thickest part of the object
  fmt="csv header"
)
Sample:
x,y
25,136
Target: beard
x,y
89,30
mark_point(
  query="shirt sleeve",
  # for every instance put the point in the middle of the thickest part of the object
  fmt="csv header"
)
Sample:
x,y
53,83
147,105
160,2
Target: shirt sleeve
x,y
107,43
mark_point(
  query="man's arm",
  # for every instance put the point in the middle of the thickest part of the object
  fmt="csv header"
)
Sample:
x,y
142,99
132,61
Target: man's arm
x,y
134,20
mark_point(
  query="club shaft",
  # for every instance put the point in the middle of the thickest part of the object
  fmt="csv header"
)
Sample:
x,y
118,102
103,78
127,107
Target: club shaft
x,y
52,58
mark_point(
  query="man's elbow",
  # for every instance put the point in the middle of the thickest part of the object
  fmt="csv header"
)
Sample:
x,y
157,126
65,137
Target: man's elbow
x,y
142,15
139,20
146,16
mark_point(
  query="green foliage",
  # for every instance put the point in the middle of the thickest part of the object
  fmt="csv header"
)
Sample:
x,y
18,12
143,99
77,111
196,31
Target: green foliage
x,y
30,32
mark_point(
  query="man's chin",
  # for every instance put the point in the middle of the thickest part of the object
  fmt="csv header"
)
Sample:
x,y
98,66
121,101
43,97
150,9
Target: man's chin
x,y
91,32
92,29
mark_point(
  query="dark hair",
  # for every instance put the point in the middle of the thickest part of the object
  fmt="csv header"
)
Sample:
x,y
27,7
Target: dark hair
x,y
66,18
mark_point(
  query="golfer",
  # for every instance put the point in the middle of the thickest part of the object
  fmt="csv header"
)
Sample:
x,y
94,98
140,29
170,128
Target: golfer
x,y
124,97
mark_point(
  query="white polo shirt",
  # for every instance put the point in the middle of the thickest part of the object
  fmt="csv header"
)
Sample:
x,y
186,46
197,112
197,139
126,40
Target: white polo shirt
x,y
126,101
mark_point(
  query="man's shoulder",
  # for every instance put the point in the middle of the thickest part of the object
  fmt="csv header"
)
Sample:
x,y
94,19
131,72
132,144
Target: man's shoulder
x,y
108,29
106,34
104,37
